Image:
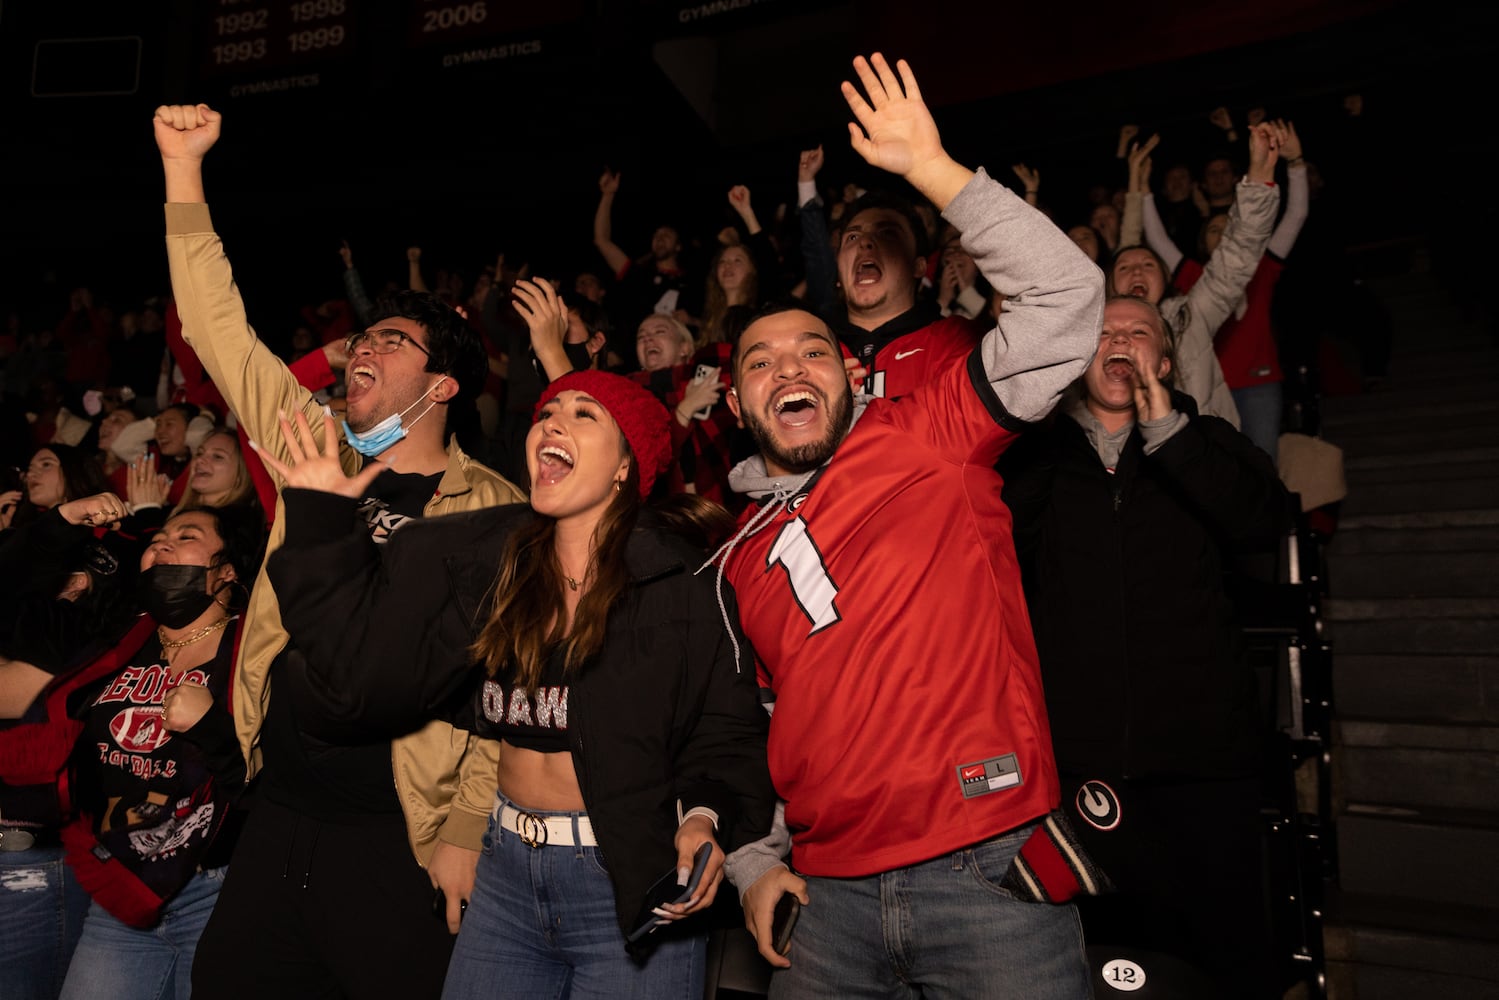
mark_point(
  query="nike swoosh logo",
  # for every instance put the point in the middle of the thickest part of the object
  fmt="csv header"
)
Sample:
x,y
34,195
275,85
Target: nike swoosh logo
x,y
903,355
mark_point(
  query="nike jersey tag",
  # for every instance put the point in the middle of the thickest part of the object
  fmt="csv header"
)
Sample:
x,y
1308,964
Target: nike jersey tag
x,y
992,775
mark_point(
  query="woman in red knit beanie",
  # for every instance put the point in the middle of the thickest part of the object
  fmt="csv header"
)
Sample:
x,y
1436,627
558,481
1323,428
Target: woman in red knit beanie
x,y
622,697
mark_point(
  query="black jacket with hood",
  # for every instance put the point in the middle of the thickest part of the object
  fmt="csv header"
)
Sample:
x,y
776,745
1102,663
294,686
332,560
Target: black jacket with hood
x,y
663,715
1141,654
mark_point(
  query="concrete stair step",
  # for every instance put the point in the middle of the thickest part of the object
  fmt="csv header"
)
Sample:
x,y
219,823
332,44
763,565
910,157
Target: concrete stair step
x,y
1397,411
1432,519
1409,608
1446,331
1421,418
1348,542
1454,626
1405,417
1430,359
1415,574
1372,976
1442,736
1379,948
1477,493
1416,688
1396,395
1418,437
1419,766
1463,457
1366,473
1472,369
1424,313
1414,290
1422,856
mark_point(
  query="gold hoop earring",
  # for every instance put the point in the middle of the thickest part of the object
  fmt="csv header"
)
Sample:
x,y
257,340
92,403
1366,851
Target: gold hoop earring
x,y
616,486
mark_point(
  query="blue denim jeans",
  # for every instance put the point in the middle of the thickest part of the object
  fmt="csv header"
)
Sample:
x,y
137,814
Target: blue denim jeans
x,y
541,925
1260,415
41,915
942,930
153,963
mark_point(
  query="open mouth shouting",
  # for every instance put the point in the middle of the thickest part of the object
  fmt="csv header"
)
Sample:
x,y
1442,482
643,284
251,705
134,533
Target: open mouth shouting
x,y
1119,367
359,380
868,271
553,464
795,407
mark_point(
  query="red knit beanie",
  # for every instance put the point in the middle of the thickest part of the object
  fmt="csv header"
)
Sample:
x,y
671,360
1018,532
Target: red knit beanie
x,y
640,416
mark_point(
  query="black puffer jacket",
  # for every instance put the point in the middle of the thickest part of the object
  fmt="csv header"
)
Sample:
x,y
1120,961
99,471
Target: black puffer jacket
x,y
1140,652
662,713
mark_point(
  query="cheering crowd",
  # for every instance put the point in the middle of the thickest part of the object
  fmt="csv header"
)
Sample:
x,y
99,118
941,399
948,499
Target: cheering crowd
x,y
503,634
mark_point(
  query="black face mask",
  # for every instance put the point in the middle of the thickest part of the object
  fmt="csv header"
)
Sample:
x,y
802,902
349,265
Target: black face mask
x,y
175,595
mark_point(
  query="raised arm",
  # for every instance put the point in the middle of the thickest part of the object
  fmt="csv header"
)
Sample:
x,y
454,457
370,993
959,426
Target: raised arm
x,y
1297,195
1156,236
1211,300
546,318
1031,178
414,279
817,257
1132,226
255,383
739,200
1054,305
603,224
357,294
895,131
184,135
1237,255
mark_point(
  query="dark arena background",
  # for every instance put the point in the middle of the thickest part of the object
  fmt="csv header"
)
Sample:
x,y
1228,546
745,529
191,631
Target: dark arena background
x,y
474,128
470,128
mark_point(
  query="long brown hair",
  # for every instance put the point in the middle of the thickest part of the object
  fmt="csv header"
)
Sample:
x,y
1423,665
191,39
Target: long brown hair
x,y
716,299
528,616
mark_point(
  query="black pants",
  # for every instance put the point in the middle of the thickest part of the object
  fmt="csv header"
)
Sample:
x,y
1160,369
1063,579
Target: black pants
x,y
1186,861
312,909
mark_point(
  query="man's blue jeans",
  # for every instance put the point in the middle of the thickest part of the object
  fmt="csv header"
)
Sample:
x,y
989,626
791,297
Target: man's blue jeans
x,y
1260,408
153,963
942,930
41,915
541,923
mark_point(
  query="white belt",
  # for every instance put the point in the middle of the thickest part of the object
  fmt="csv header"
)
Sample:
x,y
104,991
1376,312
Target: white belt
x,y
546,831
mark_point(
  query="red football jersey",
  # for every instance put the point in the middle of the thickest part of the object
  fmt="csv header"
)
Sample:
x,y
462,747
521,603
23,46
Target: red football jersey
x,y
912,359
885,607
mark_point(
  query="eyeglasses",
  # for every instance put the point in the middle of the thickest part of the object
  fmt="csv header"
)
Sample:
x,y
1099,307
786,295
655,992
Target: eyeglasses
x,y
385,341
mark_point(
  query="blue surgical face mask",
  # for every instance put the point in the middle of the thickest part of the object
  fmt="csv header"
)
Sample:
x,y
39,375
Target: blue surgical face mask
x,y
387,432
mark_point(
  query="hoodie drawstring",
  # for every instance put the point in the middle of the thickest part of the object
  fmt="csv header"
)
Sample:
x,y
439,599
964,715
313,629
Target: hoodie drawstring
x,y
780,496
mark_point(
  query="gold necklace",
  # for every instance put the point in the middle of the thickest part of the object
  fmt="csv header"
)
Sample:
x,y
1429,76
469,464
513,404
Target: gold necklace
x,y
570,581
202,633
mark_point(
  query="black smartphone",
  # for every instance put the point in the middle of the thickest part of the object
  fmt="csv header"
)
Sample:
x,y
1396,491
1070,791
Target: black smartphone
x,y
666,890
783,922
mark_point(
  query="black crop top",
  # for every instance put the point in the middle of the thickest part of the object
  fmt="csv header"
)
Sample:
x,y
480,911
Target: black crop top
x,y
507,712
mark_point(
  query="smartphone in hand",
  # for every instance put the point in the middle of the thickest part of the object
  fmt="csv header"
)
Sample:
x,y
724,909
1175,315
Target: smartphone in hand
x,y
666,890
702,374
783,922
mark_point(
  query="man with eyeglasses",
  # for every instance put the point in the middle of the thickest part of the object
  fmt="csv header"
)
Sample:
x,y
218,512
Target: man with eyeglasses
x,y
323,896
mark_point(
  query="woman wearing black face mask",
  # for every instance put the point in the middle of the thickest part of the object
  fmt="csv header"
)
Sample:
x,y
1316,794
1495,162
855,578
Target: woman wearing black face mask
x,y
141,814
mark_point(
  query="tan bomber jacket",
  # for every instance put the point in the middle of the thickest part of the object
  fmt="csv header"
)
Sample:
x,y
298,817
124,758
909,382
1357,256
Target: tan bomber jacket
x,y
445,778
